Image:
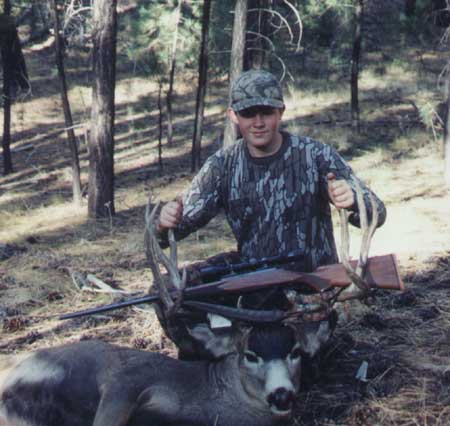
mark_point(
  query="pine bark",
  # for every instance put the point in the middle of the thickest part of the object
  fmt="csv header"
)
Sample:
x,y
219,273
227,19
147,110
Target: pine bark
x,y
160,128
237,61
356,56
6,52
59,57
101,141
410,7
201,90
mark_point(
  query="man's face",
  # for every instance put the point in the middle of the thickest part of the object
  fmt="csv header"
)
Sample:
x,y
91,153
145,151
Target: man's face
x,y
259,128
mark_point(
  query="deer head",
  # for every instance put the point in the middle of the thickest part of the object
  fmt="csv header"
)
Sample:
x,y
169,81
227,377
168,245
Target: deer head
x,y
270,365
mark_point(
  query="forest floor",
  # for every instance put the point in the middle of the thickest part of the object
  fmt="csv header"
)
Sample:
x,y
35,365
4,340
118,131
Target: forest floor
x,y
49,247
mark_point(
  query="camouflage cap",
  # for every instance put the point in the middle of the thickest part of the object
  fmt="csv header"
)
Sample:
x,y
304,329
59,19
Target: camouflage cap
x,y
256,87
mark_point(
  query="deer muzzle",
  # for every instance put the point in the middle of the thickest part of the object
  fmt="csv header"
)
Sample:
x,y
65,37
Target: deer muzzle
x,y
281,401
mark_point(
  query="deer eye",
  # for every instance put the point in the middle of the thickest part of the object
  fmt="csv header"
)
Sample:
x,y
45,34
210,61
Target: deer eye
x,y
251,357
296,353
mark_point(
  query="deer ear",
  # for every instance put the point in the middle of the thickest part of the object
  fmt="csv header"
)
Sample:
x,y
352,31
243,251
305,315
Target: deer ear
x,y
312,336
217,344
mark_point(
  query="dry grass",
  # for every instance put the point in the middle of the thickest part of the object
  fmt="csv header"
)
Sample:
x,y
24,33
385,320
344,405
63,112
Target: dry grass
x,y
405,338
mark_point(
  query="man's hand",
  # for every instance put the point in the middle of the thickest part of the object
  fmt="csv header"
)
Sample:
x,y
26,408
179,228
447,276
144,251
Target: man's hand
x,y
340,192
171,215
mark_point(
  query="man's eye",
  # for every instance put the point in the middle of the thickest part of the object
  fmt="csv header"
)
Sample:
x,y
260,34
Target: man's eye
x,y
253,112
267,111
247,113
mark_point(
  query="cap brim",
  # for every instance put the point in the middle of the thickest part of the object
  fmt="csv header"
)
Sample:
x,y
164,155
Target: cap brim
x,y
251,102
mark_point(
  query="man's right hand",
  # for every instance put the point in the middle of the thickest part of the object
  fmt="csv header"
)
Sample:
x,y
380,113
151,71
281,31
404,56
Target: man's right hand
x,y
171,215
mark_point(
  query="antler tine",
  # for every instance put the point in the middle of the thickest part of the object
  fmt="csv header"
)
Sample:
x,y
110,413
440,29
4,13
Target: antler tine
x,y
152,257
173,248
170,264
359,287
364,227
369,231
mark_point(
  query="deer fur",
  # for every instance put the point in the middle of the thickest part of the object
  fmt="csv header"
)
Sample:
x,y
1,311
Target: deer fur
x,y
99,384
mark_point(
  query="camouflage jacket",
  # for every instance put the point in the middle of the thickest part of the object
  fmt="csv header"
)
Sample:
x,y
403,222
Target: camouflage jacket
x,y
276,205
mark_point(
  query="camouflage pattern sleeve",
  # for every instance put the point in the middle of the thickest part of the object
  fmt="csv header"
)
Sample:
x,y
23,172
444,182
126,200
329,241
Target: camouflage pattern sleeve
x,y
201,203
330,161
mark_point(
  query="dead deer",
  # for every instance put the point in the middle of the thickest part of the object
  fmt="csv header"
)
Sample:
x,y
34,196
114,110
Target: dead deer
x,y
99,384
95,383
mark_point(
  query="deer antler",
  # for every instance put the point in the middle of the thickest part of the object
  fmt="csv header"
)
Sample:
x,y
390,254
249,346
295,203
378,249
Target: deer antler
x,y
359,287
155,256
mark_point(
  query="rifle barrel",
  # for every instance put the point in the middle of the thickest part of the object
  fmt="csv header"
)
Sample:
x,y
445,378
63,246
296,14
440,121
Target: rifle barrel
x,y
111,307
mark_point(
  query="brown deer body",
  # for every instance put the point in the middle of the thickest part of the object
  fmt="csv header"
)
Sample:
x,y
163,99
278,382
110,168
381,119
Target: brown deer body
x,y
95,383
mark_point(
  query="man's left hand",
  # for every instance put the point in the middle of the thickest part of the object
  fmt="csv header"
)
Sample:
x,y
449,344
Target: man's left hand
x,y
340,192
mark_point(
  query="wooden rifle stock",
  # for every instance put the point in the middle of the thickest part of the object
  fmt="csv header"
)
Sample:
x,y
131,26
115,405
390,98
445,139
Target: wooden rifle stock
x,y
381,272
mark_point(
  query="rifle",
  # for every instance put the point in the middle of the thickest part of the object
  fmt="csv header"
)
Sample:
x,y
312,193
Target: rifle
x,y
381,273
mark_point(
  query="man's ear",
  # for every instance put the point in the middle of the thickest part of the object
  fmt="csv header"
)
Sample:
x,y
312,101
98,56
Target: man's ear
x,y
232,115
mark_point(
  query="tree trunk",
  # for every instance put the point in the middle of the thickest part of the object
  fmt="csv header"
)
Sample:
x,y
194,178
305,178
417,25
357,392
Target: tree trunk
x,y
446,143
257,37
356,55
173,60
7,7
201,90
6,49
410,8
160,128
59,56
237,61
101,141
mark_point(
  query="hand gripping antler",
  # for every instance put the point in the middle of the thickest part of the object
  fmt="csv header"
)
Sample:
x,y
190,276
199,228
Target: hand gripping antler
x,y
155,256
359,287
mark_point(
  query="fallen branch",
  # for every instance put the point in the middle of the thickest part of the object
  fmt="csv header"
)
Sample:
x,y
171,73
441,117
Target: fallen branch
x,y
102,287
28,147
93,284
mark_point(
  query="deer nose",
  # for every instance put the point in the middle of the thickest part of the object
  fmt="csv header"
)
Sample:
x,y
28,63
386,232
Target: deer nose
x,y
281,398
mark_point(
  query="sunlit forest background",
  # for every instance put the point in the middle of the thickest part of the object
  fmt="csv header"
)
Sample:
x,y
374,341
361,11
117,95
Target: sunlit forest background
x,y
369,77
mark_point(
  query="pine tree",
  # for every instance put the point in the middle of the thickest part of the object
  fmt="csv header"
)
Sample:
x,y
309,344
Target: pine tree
x,y
236,61
59,56
101,142
201,90
164,38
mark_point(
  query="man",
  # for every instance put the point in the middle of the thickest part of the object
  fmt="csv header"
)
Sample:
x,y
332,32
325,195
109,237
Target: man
x,y
275,187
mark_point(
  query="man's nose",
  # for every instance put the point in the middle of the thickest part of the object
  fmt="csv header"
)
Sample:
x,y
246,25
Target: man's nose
x,y
258,120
